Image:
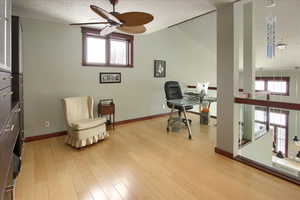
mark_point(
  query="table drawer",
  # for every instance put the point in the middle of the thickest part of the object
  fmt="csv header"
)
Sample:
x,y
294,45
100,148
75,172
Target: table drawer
x,y
5,79
106,109
5,104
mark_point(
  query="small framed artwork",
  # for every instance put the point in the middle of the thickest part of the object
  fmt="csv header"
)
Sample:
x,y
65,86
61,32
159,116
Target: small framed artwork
x,y
110,77
159,68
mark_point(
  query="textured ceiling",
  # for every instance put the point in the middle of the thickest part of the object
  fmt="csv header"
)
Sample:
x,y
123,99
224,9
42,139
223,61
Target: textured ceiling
x,y
166,12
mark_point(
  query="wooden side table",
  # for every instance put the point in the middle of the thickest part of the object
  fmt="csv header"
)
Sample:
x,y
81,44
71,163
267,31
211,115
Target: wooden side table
x,y
107,107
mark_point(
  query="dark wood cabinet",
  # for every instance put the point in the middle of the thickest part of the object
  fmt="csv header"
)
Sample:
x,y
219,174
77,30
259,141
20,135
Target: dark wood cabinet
x,y
5,35
107,109
10,187
5,104
11,113
5,79
8,139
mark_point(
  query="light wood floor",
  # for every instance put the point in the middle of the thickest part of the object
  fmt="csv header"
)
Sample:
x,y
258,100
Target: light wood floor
x,y
141,161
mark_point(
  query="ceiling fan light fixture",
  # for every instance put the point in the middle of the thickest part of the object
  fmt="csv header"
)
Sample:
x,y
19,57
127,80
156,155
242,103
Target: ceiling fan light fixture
x,y
129,22
297,68
281,46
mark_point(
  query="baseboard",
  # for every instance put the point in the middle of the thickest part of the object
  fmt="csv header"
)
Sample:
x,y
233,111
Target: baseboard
x,y
57,134
224,153
197,113
193,112
141,118
46,136
267,169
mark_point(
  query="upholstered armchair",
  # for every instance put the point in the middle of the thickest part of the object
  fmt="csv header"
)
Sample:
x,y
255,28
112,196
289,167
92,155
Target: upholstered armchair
x,y
83,128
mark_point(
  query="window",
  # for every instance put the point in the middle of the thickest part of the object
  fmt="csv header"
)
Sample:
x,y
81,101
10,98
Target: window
x,y
275,85
279,87
260,85
114,50
118,52
96,50
280,140
278,120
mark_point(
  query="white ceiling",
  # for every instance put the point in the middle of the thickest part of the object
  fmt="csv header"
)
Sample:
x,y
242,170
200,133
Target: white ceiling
x,y
166,12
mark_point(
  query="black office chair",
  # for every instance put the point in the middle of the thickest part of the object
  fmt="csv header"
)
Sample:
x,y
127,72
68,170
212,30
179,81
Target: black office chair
x,y
173,91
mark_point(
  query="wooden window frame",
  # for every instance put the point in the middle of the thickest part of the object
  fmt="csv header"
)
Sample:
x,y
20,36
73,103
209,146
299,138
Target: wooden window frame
x,y
286,127
90,32
266,79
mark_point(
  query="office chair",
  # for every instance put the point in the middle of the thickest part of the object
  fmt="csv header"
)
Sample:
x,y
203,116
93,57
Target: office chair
x,y
173,91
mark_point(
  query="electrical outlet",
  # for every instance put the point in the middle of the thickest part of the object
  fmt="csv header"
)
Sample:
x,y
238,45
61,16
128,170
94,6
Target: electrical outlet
x,y
47,124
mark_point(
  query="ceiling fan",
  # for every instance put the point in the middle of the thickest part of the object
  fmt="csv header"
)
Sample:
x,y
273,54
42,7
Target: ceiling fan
x,y
129,22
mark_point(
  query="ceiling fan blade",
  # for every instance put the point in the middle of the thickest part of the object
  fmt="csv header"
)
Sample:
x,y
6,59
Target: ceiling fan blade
x,y
108,30
89,23
135,18
132,29
106,15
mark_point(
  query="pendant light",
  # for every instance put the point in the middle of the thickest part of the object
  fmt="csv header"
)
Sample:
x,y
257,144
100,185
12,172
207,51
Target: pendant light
x,y
270,3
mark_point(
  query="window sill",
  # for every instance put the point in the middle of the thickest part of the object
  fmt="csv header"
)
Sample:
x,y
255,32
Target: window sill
x,y
105,65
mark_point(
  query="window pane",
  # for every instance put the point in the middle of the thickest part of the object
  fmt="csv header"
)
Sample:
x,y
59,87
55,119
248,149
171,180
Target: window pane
x,y
259,85
260,115
95,50
278,119
281,140
277,86
118,52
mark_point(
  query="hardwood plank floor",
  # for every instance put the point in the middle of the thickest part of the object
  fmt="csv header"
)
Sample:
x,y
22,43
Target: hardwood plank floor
x,y
141,161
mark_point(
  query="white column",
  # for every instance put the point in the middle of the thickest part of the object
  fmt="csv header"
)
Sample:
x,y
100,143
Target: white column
x,y
227,77
249,67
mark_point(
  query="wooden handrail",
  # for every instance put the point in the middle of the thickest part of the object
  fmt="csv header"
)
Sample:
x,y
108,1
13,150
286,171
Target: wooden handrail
x,y
210,88
193,86
272,104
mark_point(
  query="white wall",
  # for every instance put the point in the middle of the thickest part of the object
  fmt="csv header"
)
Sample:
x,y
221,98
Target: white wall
x,y
52,70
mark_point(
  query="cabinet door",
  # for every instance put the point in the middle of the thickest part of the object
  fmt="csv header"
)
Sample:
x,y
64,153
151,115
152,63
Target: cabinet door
x,y
8,34
20,48
9,192
2,35
5,35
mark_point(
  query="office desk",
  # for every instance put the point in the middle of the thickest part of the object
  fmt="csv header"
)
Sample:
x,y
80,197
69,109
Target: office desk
x,y
196,97
187,101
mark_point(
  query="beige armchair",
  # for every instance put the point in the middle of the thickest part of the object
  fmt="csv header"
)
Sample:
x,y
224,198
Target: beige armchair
x,y
83,128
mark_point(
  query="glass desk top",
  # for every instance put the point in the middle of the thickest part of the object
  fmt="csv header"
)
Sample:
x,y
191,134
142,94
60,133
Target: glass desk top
x,y
191,101
183,102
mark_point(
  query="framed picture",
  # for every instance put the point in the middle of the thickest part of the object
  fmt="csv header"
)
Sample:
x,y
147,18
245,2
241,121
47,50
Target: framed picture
x,y
110,77
159,68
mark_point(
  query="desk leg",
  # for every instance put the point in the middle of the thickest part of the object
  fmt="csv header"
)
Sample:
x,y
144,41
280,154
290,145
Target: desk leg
x,y
187,122
114,121
170,118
